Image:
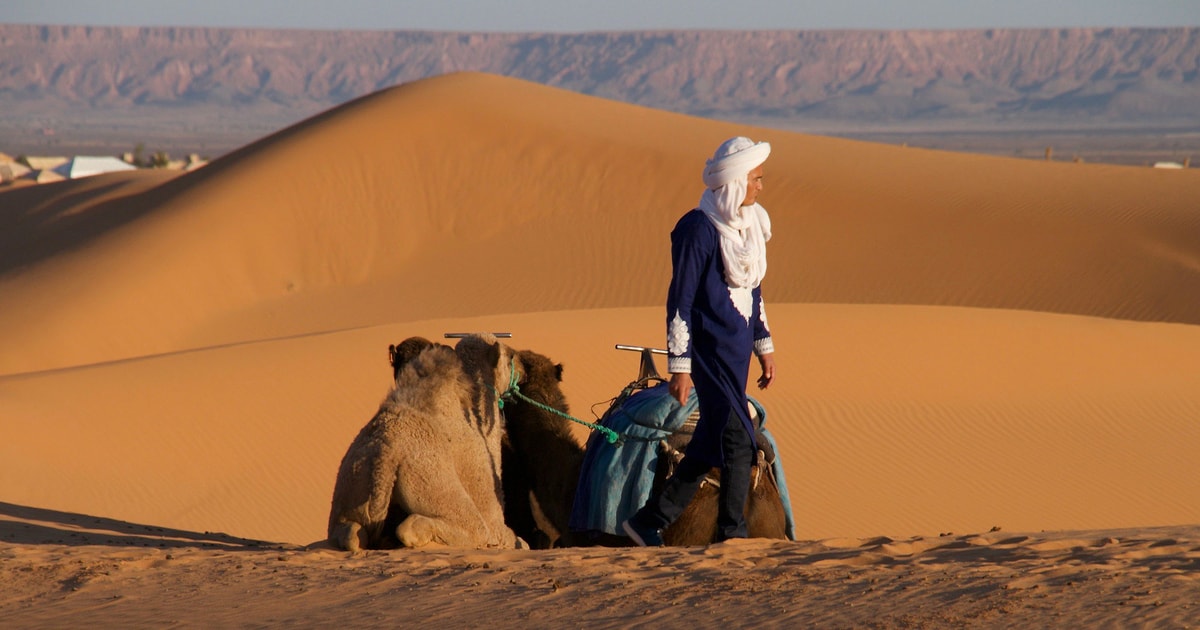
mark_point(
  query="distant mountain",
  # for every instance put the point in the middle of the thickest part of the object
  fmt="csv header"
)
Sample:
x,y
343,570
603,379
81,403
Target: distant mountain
x,y
1067,76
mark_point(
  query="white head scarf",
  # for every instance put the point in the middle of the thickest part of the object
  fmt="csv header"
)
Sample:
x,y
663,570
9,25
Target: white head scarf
x,y
744,230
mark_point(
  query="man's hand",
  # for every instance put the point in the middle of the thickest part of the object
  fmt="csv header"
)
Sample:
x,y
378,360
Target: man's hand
x,y
679,387
767,362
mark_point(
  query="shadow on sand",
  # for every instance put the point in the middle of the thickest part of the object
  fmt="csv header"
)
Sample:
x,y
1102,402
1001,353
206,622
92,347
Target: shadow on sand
x,y
25,525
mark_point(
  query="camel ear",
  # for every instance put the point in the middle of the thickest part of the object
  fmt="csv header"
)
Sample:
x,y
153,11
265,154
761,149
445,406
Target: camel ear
x,y
494,354
558,371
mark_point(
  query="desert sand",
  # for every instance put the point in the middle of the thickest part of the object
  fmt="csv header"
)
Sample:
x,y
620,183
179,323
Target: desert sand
x,y
986,406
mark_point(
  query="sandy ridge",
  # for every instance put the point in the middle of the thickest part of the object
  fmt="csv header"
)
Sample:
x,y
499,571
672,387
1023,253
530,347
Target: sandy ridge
x,y
1107,578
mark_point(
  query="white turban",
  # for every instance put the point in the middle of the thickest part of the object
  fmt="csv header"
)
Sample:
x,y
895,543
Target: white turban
x,y
733,160
744,230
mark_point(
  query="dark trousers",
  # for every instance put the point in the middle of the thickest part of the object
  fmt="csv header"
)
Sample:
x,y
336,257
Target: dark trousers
x,y
673,498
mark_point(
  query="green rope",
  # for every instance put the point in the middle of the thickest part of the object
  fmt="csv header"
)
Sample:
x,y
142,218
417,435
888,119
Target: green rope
x,y
512,383
612,437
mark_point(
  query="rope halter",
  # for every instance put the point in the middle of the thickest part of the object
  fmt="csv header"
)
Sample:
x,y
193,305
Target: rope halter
x,y
514,392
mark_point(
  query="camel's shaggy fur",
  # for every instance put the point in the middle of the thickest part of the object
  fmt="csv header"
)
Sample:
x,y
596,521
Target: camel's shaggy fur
x,y
541,458
431,455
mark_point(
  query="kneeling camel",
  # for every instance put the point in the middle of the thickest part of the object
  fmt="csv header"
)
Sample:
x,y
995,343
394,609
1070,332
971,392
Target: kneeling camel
x,y
428,462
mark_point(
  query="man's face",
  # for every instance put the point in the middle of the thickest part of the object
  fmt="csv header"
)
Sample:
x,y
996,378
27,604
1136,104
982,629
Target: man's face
x,y
754,185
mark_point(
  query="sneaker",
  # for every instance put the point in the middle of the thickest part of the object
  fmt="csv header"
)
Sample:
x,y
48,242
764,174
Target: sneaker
x,y
643,536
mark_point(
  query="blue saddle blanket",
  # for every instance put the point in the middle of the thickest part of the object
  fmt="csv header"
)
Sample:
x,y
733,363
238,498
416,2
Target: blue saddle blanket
x,y
615,479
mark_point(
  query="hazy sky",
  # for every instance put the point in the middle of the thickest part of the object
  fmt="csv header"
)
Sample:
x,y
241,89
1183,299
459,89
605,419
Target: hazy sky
x,y
596,15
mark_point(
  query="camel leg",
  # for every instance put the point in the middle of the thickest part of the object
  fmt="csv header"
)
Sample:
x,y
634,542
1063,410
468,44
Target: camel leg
x,y
350,536
360,497
440,509
418,531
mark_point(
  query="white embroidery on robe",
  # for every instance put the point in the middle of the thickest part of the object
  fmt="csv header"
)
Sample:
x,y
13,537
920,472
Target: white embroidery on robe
x,y
679,337
743,301
762,314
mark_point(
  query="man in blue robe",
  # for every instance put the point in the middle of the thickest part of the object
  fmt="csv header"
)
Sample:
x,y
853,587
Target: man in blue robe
x,y
715,322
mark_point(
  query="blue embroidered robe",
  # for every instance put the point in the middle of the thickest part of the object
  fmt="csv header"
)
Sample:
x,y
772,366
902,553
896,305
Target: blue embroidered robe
x,y
712,331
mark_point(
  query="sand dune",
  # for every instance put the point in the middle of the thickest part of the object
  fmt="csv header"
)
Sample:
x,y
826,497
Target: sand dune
x,y
892,420
964,342
402,194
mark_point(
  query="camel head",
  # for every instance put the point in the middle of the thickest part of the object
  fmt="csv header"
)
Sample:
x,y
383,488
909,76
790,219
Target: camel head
x,y
402,353
540,367
490,362
542,378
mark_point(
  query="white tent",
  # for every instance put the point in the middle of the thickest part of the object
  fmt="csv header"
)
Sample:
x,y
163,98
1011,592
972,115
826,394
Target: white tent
x,y
85,165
